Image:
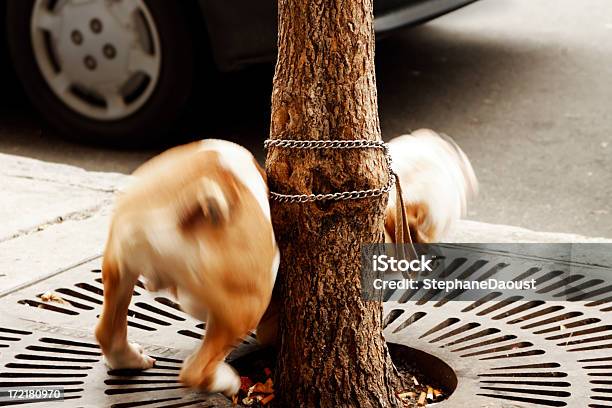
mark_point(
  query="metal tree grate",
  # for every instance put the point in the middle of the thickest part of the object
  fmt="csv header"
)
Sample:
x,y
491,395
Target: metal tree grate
x,y
505,351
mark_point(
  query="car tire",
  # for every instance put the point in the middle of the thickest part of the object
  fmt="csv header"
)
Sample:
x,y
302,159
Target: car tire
x,y
150,48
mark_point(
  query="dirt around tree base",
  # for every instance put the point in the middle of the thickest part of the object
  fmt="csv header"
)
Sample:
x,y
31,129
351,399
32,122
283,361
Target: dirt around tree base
x,y
423,386
415,368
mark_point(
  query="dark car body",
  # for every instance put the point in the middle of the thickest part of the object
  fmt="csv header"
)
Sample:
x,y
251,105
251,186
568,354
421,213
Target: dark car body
x,y
245,32
102,95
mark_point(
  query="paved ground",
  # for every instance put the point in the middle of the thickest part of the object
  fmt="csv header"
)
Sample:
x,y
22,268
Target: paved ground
x,y
523,86
56,216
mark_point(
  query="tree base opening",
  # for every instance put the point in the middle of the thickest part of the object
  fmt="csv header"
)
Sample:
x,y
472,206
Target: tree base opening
x,y
422,373
426,378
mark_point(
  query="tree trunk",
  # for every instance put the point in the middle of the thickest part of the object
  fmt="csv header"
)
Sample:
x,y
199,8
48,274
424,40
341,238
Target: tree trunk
x,y
332,352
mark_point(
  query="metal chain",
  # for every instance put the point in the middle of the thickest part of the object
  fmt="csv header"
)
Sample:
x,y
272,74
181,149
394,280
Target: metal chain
x,y
333,144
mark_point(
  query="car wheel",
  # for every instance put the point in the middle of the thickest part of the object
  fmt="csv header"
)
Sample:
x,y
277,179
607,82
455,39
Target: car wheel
x,y
103,71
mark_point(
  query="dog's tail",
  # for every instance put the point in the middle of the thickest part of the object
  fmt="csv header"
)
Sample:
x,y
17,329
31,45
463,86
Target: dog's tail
x,y
436,179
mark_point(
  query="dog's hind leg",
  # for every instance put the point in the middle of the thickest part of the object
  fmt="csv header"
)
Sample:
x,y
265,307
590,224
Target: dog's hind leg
x,y
111,330
205,369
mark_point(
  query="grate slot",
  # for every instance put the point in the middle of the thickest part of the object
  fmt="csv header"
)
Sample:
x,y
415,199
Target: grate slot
x,y
136,382
58,359
589,340
138,373
579,288
113,391
71,301
46,367
520,367
535,401
62,342
392,316
78,295
35,384
13,331
66,398
409,321
589,295
90,288
481,301
513,346
555,319
527,374
531,383
47,306
548,393
499,305
141,403
459,330
40,375
169,303
190,333
519,309
161,312
482,333
62,351
446,323
187,404
539,313
486,343
564,282
147,318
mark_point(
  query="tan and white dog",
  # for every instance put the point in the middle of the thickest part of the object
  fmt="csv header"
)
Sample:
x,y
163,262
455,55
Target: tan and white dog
x,y
196,222
437,180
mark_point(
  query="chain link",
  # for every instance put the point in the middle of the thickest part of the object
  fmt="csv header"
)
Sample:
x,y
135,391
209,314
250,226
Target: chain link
x,y
333,144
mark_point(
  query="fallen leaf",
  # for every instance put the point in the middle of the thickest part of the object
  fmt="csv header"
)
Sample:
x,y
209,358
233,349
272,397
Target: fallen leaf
x,y
267,388
266,400
53,297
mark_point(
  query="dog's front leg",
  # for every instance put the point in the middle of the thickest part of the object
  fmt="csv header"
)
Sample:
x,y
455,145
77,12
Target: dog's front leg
x,y
111,330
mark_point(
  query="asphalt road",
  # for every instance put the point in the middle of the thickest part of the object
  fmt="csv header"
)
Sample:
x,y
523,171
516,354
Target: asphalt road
x,y
524,86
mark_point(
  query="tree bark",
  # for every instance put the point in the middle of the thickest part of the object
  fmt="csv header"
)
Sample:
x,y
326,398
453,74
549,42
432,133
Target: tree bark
x,y
332,352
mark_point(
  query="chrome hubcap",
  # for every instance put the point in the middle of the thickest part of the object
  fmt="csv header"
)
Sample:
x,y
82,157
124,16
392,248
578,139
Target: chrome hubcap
x,y
102,58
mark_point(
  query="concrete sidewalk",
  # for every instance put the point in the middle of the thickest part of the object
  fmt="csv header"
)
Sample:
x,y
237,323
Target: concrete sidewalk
x,y
55,216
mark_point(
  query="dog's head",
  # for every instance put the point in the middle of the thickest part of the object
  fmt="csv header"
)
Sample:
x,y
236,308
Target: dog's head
x,y
437,179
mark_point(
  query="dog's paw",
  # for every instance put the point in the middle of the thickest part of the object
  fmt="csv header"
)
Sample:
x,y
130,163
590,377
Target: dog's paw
x,y
223,379
130,357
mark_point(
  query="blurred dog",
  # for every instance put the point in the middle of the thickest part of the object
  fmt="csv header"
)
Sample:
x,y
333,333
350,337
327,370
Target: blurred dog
x,y
196,222
437,180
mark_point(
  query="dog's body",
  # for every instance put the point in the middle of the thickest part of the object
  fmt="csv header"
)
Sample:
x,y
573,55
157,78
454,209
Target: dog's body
x,y
197,222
